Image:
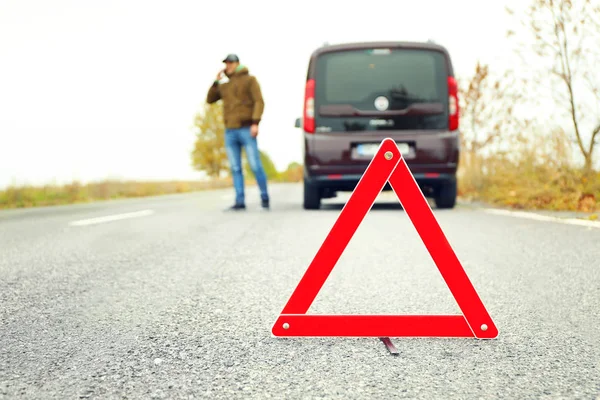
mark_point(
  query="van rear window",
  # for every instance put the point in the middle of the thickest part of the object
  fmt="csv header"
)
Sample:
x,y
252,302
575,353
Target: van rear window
x,y
375,80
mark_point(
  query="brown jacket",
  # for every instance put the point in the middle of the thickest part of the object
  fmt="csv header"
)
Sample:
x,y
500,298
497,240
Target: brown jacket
x,y
243,104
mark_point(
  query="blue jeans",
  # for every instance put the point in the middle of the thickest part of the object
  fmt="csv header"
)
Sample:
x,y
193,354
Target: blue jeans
x,y
235,140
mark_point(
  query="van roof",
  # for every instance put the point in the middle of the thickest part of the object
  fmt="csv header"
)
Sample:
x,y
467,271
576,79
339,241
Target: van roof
x,y
367,45
383,44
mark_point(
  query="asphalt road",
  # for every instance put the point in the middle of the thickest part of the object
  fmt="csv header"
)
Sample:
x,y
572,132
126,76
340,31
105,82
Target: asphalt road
x,y
178,302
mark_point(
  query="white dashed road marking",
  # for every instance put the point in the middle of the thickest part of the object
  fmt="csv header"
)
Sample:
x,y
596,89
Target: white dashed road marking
x,y
110,218
538,217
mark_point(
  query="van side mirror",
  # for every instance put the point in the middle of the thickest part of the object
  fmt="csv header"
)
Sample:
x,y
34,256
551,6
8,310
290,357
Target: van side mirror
x,y
298,123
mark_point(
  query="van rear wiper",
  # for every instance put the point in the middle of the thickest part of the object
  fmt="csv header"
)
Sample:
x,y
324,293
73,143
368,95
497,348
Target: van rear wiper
x,y
347,110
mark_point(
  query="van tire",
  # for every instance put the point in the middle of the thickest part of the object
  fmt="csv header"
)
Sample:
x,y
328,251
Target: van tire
x,y
312,197
446,195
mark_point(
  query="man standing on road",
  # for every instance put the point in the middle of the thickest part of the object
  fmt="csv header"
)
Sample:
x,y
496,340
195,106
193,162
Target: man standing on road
x,y
243,106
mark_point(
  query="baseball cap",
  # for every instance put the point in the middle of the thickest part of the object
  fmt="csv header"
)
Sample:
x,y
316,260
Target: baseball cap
x,y
231,58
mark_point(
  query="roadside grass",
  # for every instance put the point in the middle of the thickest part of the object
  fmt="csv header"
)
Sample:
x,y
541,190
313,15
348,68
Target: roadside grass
x,y
536,174
49,195
532,187
25,196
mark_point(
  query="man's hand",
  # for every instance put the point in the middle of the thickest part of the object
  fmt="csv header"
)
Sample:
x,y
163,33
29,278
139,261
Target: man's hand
x,y
220,75
254,130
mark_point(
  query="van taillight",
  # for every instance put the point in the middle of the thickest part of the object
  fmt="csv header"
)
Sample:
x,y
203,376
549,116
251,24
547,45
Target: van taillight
x,y
309,106
453,108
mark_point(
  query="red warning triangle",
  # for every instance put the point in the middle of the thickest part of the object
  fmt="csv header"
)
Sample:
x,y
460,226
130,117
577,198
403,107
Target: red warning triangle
x,y
386,166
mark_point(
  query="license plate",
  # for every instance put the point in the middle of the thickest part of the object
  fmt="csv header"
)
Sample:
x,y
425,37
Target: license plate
x,y
369,149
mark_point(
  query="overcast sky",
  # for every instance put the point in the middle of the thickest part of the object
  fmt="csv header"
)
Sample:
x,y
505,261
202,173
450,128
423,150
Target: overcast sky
x,y
94,90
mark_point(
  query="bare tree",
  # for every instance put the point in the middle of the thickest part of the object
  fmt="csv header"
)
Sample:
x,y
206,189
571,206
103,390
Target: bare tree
x,y
566,34
489,109
490,122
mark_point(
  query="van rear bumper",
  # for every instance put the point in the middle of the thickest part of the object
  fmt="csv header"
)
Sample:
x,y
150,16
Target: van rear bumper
x,y
347,182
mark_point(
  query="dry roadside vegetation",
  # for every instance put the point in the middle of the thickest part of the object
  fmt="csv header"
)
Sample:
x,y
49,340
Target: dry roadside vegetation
x,y
518,162
32,196
535,175
49,195
543,159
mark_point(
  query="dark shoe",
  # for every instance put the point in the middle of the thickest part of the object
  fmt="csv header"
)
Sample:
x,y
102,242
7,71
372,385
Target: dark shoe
x,y
265,204
236,207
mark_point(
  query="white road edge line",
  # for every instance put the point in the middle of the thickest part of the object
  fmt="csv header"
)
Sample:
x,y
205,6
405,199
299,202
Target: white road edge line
x,y
110,218
539,217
